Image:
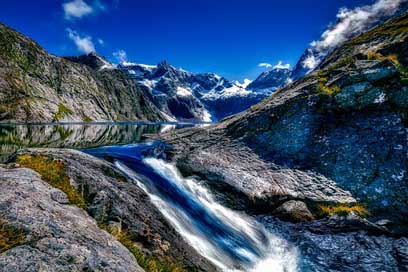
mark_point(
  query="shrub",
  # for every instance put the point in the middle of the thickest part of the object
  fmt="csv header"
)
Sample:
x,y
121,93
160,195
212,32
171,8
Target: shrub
x,y
343,209
53,172
327,90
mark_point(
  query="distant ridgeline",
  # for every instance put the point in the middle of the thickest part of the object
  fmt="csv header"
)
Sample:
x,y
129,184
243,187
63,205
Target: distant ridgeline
x,y
36,86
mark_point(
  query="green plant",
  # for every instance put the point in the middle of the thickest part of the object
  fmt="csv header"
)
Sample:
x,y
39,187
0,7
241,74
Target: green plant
x,y
53,172
62,111
327,90
10,236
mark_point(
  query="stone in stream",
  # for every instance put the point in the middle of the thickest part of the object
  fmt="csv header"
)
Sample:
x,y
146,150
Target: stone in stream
x,y
293,210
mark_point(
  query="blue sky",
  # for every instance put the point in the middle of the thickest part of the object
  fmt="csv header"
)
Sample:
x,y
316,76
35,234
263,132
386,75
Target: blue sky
x,y
226,37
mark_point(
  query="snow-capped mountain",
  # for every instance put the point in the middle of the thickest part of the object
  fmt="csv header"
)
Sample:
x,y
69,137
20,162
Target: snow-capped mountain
x,y
184,95
270,80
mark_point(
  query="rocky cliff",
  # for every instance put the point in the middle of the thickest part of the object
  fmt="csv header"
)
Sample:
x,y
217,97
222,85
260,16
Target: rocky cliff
x,y
36,86
336,136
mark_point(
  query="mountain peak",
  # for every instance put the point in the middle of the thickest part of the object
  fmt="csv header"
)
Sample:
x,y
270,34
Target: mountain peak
x,y
93,60
271,79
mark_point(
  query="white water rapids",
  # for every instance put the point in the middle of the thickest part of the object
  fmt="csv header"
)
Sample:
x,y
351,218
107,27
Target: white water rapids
x,y
230,240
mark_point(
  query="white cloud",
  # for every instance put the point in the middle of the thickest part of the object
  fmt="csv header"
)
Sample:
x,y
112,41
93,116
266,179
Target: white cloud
x,y
350,22
77,9
100,41
84,44
265,65
310,62
281,65
120,55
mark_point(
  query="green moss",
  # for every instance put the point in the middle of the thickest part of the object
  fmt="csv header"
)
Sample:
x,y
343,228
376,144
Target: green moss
x,y
62,112
53,172
322,88
343,209
148,263
87,119
10,236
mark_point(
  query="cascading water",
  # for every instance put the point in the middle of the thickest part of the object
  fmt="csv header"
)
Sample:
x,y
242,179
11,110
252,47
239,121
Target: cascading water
x,y
231,240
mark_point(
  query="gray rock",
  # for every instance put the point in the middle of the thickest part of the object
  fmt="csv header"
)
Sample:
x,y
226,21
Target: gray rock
x,y
348,96
379,73
295,211
59,196
57,237
383,222
342,251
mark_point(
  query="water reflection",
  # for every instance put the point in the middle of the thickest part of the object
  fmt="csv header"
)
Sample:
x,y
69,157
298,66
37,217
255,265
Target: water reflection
x,y
14,137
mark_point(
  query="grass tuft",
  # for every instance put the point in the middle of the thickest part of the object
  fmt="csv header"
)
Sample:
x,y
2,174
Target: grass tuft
x,y
343,209
322,88
10,236
53,172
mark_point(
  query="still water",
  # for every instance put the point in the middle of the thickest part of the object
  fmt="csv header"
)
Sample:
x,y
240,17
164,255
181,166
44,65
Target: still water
x,y
14,137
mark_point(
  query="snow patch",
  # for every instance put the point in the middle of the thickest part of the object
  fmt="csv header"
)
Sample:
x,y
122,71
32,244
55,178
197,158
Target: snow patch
x,y
183,92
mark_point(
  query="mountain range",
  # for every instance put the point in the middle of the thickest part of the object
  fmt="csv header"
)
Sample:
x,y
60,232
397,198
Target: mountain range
x,y
39,87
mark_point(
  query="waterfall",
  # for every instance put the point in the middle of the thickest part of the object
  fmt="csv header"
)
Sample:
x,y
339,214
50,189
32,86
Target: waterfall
x,y
231,240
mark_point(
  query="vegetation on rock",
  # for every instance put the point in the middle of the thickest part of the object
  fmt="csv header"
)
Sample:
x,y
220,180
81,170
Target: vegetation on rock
x,y
62,112
343,209
53,172
10,236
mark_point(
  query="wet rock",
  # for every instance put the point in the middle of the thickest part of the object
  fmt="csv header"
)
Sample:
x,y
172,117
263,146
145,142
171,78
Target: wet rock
x,y
57,237
341,251
348,96
294,211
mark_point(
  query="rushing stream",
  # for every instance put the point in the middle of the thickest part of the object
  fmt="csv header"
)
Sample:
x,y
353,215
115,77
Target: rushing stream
x,y
231,240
